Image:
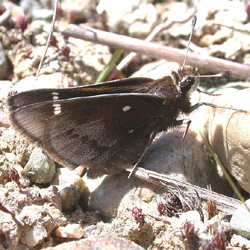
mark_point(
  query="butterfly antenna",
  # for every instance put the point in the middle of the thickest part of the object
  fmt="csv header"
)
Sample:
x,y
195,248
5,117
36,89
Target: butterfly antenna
x,y
189,41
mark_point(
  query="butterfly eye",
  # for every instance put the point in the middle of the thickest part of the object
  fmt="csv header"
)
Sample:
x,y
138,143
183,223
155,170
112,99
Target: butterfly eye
x,y
186,81
189,79
186,84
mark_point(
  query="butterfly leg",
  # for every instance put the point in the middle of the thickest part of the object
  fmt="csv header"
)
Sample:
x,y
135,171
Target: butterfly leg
x,y
197,105
203,92
143,154
182,122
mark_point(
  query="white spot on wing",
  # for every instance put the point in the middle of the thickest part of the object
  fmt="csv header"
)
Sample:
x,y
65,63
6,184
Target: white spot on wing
x,y
55,96
130,131
126,108
57,108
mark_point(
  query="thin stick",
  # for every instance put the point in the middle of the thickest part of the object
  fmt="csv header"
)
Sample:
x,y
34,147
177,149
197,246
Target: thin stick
x,y
159,28
48,40
208,63
224,203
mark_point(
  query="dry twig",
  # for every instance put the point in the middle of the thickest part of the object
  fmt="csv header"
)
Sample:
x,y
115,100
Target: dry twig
x,y
208,63
159,28
226,204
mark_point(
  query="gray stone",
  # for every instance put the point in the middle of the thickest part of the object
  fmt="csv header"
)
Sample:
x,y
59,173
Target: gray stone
x,y
240,220
3,63
40,167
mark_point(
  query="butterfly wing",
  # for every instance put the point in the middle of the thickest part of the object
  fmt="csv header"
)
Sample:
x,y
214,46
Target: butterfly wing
x,y
102,132
127,85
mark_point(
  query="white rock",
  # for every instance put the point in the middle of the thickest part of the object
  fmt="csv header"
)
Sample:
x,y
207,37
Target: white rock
x,y
240,220
33,236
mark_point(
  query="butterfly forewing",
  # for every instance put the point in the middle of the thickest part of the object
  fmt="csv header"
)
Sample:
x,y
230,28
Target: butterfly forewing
x,y
102,132
127,85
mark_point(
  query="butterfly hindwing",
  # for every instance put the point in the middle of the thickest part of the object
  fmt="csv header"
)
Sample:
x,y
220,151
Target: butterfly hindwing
x,y
103,132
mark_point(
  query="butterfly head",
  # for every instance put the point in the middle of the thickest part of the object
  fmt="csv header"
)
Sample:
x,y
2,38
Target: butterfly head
x,y
186,79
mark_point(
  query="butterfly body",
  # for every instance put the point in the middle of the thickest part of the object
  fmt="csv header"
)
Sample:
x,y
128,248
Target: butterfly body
x,y
102,126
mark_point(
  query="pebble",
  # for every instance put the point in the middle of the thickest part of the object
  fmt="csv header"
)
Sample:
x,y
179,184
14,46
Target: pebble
x,y
240,220
3,63
10,157
70,186
73,231
33,236
40,168
76,8
42,14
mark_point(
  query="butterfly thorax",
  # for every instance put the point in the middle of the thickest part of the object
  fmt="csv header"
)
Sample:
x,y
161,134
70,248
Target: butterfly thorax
x,y
175,91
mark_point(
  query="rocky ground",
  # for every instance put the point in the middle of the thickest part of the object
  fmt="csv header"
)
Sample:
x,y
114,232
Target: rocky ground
x,y
43,204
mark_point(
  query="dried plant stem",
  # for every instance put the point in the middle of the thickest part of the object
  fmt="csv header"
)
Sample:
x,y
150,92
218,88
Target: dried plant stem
x,y
159,28
208,63
48,40
224,203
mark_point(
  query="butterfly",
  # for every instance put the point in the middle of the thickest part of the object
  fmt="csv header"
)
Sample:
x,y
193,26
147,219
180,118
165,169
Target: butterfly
x,y
105,126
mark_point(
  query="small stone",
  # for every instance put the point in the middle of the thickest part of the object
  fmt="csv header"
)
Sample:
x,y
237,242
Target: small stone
x,y
192,216
40,167
240,220
145,194
70,187
76,8
74,231
3,63
33,236
42,14
10,157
